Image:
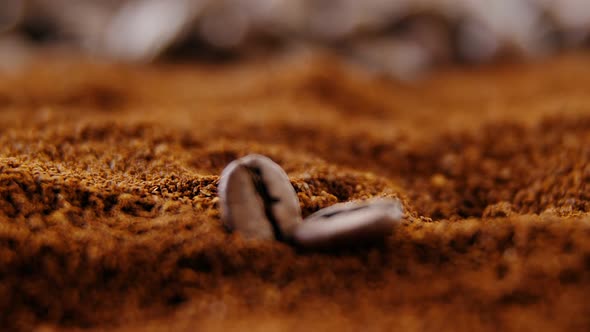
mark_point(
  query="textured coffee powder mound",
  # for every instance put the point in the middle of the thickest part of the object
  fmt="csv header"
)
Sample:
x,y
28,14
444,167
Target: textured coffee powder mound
x,y
109,215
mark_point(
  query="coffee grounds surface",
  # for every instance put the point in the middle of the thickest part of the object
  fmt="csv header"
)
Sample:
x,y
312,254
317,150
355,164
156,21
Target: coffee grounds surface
x,y
108,196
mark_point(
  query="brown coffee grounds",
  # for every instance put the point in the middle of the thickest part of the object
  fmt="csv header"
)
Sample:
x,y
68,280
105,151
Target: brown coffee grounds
x,y
108,179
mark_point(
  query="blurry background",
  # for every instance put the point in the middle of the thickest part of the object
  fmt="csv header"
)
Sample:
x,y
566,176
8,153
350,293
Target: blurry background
x,y
400,38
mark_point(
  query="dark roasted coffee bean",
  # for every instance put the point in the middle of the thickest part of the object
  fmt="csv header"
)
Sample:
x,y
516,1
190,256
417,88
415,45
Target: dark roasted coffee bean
x,y
257,199
348,224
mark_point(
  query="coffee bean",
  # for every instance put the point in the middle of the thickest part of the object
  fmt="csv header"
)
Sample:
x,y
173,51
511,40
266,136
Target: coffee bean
x,y
128,38
349,224
257,199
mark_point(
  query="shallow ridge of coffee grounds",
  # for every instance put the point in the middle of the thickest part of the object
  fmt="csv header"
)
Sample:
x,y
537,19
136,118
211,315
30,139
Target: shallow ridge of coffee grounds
x,y
109,216
459,175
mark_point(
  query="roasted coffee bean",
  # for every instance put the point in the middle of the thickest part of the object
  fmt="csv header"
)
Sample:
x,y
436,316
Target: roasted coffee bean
x,y
257,199
349,224
127,37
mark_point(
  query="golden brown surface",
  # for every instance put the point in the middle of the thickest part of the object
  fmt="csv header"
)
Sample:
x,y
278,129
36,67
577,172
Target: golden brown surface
x,y
108,215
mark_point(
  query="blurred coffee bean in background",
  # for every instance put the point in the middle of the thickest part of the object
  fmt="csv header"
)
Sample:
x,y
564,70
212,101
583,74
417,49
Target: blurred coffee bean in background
x,y
399,38
11,12
142,30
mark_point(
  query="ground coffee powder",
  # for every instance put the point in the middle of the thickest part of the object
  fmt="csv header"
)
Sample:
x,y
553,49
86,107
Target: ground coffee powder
x,y
109,216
